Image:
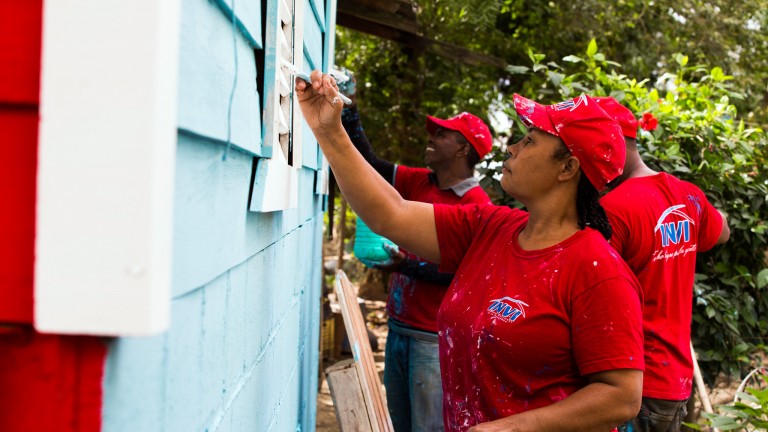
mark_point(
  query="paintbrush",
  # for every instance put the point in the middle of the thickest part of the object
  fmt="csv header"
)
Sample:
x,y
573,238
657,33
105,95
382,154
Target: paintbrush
x,y
301,75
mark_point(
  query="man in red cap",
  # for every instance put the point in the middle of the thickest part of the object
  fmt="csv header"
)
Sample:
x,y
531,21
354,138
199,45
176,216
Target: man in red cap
x,y
659,224
416,289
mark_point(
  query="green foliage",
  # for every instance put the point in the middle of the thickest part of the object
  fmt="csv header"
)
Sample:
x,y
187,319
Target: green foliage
x,y
701,139
401,84
645,35
749,413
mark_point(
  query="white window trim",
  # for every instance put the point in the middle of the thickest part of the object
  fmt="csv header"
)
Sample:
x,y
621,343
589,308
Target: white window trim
x,y
276,184
106,166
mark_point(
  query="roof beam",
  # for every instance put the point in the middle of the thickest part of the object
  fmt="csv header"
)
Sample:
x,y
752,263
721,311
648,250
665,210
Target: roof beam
x,y
400,25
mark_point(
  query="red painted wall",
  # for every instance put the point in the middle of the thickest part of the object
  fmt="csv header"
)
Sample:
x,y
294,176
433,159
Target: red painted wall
x,y
50,382
47,382
20,35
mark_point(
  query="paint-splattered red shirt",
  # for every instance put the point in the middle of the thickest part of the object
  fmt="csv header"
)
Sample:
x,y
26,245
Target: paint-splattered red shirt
x,y
412,301
520,330
659,224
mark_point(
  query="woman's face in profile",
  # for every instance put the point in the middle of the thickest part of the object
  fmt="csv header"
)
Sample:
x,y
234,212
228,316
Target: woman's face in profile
x,y
531,169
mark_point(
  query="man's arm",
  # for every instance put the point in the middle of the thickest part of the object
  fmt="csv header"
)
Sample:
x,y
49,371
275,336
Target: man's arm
x,y
414,268
725,232
350,119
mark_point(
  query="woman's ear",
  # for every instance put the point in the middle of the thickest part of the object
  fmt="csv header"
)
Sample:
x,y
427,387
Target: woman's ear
x,y
569,169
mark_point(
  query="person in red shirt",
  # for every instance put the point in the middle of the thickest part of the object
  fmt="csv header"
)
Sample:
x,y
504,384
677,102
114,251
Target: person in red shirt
x,y
542,326
659,224
411,360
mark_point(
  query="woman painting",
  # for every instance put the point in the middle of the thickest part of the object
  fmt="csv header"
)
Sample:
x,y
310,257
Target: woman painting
x,y
541,327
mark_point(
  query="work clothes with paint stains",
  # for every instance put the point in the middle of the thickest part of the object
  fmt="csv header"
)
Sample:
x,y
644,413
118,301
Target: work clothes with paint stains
x,y
659,224
521,329
411,365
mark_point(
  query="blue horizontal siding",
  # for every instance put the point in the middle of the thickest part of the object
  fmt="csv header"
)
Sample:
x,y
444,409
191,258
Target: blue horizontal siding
x,y
213,229
247,18
318,9
313,39
241,350
207,59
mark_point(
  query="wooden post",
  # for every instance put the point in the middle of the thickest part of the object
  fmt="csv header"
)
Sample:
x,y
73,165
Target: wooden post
x,y
702,389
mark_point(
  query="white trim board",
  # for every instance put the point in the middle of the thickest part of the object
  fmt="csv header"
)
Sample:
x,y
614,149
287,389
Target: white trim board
x,y
106,166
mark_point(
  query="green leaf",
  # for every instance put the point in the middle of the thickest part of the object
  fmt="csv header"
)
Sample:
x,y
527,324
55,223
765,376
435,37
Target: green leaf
x,y
717,74
573,59
762,278
517,70
592,48
682,60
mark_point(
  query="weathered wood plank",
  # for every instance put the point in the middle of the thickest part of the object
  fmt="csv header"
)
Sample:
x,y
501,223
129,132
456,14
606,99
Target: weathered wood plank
x,y
363,356
347,395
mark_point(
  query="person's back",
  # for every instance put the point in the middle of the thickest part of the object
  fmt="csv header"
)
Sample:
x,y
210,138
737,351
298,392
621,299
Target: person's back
x,y
659,224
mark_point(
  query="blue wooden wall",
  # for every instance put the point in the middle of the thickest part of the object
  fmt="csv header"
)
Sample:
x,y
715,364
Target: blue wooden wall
x,y
241,353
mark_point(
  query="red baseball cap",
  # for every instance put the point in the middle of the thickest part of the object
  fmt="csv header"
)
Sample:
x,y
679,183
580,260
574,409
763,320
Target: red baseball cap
x,y
621,114
473,129
591,135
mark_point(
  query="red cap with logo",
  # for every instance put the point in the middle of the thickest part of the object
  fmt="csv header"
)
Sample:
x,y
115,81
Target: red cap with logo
x,y
591,135
621,114
473,129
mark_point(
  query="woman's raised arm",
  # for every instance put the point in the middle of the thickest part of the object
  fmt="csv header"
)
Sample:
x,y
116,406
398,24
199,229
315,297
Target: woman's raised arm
x,y
407,223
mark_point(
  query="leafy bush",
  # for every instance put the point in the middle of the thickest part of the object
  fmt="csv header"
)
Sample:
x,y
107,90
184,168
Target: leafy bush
x,y
699,138
748,413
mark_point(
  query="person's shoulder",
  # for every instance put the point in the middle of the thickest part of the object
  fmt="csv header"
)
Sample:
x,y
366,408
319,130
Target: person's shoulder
x,y
490,213
596,259
675,181
501,215
592,241
413,171
624,196
477,195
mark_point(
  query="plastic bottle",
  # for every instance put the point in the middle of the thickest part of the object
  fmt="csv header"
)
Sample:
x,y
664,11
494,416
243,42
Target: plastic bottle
x,y
369,246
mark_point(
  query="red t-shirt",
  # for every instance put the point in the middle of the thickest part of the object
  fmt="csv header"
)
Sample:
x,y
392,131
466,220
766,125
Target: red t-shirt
x,y
521,329
412,301
659,223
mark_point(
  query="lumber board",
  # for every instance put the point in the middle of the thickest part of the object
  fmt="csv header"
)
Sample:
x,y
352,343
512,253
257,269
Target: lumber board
x,y
362,354
348,399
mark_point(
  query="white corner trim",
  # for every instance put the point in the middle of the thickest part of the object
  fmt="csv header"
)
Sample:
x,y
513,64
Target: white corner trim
x,y
106,166
275,186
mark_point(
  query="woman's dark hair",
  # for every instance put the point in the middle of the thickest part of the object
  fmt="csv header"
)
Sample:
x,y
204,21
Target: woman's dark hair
x,y
591,213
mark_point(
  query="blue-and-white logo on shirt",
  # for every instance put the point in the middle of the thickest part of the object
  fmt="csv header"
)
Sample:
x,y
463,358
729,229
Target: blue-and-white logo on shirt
x,y
675,228
507,308
676,231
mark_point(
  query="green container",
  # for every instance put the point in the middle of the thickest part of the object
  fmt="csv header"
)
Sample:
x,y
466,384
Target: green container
x,y
369,246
